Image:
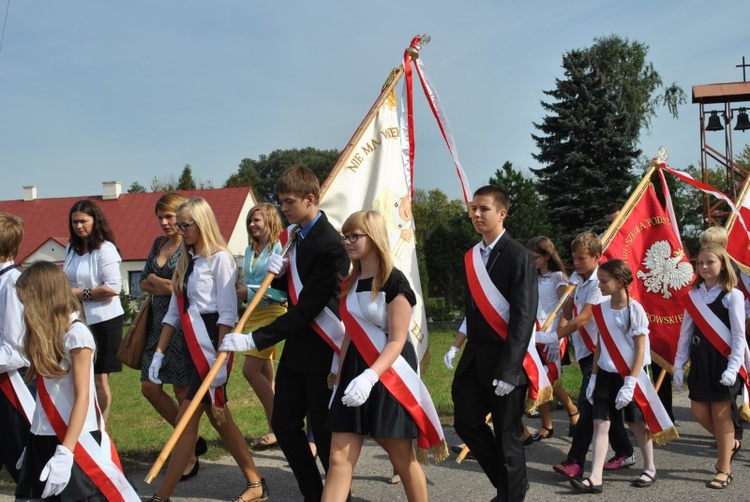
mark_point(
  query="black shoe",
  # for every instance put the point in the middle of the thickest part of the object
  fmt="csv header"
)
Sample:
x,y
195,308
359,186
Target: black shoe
x,y
538,437
529,440
582,487
201,446
193,472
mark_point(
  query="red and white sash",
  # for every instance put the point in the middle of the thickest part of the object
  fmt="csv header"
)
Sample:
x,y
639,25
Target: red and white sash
x,y
202,351
14,388
496,310
588,339
660,427
400,379
326,324
100,462
554,369
718,335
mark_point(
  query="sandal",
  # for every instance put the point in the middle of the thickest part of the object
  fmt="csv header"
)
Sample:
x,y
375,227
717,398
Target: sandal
x,y
736,449
267,441
572,427
644,483
585,486
257,484
720,484
538,436
157,498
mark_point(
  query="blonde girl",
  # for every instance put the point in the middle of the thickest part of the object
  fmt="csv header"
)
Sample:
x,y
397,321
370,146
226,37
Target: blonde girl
x,y
60,349
361,405
263,229
203,296
713,379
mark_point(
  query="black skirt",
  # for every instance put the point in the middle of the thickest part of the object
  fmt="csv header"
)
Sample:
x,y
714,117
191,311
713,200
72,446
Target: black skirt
x,y
381,416
194,378
39,451
706,366
605,394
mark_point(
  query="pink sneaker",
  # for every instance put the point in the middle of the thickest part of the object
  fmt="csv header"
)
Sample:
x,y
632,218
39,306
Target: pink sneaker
x,y
570,469
616,462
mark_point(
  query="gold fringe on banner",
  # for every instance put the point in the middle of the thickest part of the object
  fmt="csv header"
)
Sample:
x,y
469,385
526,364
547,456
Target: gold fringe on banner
x,y
665,436
745,412
219,414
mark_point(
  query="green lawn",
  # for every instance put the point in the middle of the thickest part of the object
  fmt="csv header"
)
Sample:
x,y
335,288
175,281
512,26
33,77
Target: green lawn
x,y
140,433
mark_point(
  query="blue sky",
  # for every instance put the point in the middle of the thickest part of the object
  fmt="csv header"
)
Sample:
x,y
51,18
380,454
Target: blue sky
x,y
94,91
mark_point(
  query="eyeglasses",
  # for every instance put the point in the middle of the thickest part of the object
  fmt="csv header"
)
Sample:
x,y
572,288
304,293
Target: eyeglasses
x,y
352,238
182,227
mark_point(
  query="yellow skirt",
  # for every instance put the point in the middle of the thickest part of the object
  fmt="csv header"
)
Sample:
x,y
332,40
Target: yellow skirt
x,y
263,316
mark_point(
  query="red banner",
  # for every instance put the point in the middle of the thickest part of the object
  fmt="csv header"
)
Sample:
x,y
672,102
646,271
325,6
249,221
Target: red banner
x,y
647,241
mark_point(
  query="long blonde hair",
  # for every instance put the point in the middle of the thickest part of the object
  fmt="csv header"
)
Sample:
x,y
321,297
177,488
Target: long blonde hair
x,y
48,302
371,223
210,237
272,222
727,278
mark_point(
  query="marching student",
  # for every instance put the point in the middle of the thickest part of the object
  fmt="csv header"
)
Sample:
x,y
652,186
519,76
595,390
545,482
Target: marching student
x,y
618,374
67,419
379,368
501,305
310,327
204,305
712,337
14,422
582,330
552,283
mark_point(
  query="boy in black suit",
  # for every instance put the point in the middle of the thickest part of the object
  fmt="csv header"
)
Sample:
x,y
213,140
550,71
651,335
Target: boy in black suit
x,y
301,379
501,305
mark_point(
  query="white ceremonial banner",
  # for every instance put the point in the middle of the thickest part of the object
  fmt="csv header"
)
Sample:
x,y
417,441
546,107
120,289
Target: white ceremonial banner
x,y
371,175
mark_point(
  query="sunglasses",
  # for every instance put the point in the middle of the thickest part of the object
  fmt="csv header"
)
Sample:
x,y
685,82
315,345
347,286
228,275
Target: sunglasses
x,y
182,227
352,238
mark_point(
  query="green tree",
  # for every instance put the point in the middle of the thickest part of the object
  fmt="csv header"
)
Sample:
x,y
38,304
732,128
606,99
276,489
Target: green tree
x,y
263,173
585,149
186,181
163,184
527,216
136,187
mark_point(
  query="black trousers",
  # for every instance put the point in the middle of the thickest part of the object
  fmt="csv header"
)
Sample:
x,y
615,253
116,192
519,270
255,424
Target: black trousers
x,y
500,454
296,394
618,436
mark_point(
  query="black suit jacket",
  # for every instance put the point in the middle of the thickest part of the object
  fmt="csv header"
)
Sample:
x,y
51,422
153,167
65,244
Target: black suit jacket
x,y
511,268
321,262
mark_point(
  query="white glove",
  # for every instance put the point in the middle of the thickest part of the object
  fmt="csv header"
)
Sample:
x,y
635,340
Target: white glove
x,y
221,377
276,265
57,472
625,395
19,464
677,379
553,352
574,279
546,338
333,394
237,342
502,388
450,356
359,389
590,389
728,378
153,370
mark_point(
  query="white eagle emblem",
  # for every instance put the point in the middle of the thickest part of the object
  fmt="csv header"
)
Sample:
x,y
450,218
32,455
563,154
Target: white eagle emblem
x,y
665,269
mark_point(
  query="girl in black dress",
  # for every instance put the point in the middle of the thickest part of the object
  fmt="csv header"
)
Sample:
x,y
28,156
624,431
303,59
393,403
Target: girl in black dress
x,y
714,315
361,404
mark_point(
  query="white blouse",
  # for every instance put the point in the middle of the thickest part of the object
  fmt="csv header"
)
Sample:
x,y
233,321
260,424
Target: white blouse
x,y
632,323
62,389
99,267
211,288
11,322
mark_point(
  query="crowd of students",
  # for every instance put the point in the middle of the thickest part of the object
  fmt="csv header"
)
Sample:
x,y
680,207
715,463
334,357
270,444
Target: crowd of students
x,y
348,367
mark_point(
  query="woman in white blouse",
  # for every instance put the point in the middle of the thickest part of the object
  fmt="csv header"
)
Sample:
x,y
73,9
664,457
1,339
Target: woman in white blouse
x,y
92,264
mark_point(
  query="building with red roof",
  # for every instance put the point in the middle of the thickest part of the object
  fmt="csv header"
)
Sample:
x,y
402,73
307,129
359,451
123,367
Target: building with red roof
x,y
132,219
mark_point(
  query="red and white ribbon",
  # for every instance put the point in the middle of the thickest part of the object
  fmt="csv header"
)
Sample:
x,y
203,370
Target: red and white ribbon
x,y
14,388
616,347
100,462
400,379
496,310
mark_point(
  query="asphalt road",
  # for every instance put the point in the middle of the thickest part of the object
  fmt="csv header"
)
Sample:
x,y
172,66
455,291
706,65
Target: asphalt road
x,y
684,466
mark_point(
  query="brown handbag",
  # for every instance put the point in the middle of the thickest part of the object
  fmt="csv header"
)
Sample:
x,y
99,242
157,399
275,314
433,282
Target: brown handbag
x,y
134,342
